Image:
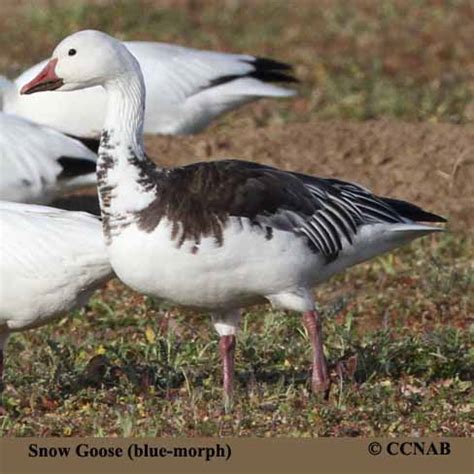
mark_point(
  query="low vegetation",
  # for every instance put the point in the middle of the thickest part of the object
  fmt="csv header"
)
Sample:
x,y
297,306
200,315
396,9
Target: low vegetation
x,y
397,329
355,60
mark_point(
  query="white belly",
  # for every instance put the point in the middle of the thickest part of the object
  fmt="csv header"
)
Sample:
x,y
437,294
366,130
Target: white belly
x,y
246,268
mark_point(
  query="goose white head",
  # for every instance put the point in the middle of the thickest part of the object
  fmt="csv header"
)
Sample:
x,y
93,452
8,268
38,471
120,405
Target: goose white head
x,y
84,59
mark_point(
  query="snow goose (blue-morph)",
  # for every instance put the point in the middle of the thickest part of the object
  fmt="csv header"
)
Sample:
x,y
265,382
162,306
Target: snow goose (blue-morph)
x,y
50,263
186,90
226,234
38,164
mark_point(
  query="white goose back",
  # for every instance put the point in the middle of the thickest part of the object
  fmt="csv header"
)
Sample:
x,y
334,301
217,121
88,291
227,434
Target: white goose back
x,y
186,90
50,262
37,163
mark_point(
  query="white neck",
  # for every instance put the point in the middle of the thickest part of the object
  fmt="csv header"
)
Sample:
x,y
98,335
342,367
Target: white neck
x,y
126,111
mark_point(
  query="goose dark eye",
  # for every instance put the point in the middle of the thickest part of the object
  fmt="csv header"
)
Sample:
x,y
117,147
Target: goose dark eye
x,y
72,52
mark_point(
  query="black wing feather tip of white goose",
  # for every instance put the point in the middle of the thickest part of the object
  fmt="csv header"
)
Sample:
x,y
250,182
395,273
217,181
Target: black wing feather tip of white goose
x,y
260,62
73,166
264,69
91,143
270,70
266,65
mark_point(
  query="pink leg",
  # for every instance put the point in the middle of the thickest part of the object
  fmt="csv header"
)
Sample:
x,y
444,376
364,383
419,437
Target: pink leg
x,y
227,348
320,379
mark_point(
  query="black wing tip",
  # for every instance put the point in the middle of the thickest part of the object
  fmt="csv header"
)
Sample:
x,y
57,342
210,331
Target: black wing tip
x,y
73,166
265,70
435,218
261,62
425,216
272,76
264,76
271,70
413,212
91,143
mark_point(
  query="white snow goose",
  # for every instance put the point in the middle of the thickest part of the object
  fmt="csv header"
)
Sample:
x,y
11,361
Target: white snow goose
x,y
50,263
38,164
186,90
226,234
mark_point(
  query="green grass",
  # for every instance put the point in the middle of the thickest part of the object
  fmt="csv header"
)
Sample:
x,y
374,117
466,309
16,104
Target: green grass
x,y
356,60
128,366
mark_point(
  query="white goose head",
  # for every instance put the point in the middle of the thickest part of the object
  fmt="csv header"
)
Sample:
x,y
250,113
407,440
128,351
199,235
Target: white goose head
x,y
84,59
92,58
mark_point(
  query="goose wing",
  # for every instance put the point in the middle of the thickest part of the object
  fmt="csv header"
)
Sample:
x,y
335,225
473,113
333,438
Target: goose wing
x,y
37,162
328,212
184,72
44,242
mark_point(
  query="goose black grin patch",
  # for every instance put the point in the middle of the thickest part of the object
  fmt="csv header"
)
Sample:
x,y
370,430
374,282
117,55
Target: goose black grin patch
x,y
45,86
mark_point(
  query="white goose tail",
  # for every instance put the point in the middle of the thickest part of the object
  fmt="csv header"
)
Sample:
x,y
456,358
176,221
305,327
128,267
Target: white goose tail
x,y
407,232
414,222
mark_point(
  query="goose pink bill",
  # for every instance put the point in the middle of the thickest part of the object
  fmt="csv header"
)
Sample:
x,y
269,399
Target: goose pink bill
x,y
46,80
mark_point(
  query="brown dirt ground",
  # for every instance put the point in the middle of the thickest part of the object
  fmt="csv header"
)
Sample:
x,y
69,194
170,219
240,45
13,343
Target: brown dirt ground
x,y
431,165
